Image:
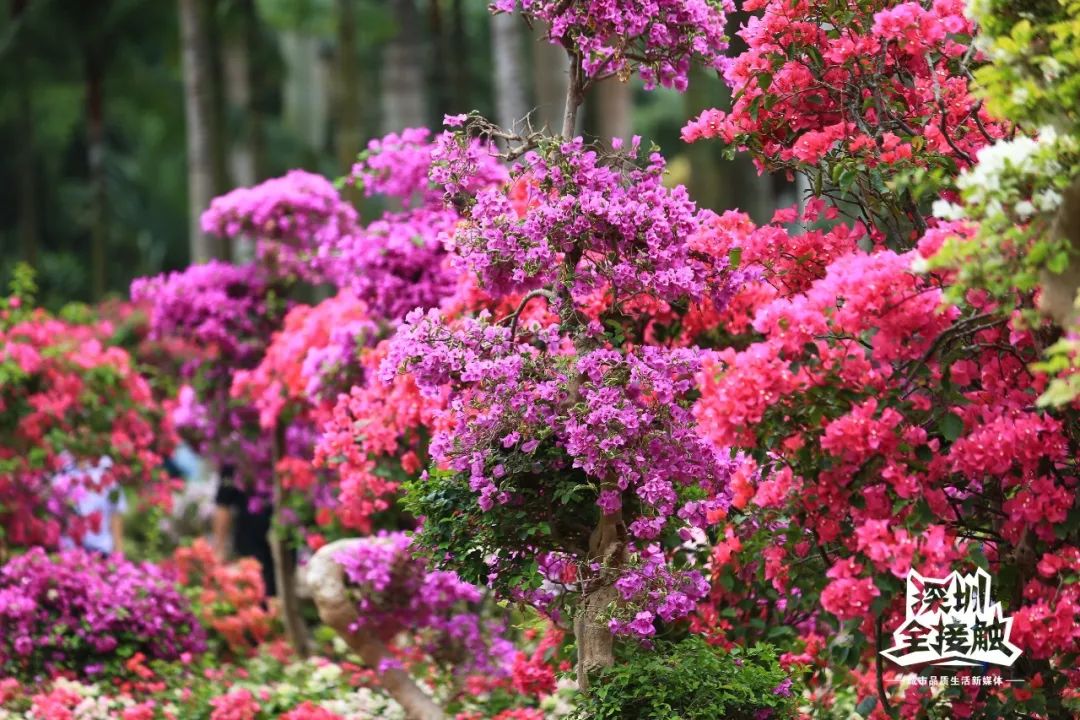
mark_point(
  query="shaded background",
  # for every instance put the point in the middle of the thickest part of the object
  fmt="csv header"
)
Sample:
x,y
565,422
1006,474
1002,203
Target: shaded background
x,y
119,119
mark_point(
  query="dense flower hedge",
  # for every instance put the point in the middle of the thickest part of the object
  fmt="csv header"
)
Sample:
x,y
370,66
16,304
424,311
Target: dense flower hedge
x,y
82,613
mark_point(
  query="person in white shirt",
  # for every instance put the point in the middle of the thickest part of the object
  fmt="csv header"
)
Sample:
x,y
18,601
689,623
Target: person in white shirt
x,y
107,501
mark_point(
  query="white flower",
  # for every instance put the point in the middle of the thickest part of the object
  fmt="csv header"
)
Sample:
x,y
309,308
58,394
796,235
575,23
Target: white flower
x,y
1024,209
1019,95
286,689
1047,200
947,211
327,674
919,265
1051,68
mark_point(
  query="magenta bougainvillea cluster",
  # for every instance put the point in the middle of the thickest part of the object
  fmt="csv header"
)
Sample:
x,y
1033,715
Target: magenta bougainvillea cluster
x,y
297,222
79,611
399,261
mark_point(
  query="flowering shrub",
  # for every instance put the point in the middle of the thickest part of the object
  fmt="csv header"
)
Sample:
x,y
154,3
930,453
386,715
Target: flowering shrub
x,y
1022,194
297,220
374,440
228,597
878,114
230,312
66,400
84,613
395,591
576,428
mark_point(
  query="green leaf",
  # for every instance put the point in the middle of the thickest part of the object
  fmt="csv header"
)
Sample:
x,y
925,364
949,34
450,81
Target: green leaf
x,y
950,426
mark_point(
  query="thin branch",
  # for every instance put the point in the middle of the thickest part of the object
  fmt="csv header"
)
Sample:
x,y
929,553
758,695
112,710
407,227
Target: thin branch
x,y
516,315
882,695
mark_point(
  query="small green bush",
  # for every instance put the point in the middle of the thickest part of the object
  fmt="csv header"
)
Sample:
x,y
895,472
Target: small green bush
x,y
691,680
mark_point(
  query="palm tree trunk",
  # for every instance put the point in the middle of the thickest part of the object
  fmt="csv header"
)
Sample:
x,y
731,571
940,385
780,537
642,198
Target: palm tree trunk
x,y
459,53
238,86
349,123
202,142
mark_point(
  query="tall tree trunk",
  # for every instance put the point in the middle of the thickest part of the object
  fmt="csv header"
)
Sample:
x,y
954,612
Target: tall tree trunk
x,y
511,104
349,123
459,53
27,185
285,562
613,102
306,97
238,88
236,71
439,80
710,181
550,70
403,90
202,142
95,152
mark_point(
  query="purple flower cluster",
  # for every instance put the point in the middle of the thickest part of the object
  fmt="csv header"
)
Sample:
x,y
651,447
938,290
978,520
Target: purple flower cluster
x,y
83,612
217,306
229,313
649,589
609,223
628,428
397,166
613,37
395,590
629,421
399,262
297,222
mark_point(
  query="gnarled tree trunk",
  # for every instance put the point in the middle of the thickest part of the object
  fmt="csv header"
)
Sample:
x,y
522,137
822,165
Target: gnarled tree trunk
x,y
1059,290
285,563
595,643
327,582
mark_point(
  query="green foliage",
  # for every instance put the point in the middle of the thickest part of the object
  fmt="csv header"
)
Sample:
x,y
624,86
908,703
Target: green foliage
x,y
691,680
1034,46
549,516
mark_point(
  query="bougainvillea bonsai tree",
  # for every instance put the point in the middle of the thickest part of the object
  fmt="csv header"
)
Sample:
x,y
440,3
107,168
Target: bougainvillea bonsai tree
x,y
67,400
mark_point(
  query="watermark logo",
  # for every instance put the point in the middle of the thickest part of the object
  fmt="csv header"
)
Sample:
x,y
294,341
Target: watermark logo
x,y
952,621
